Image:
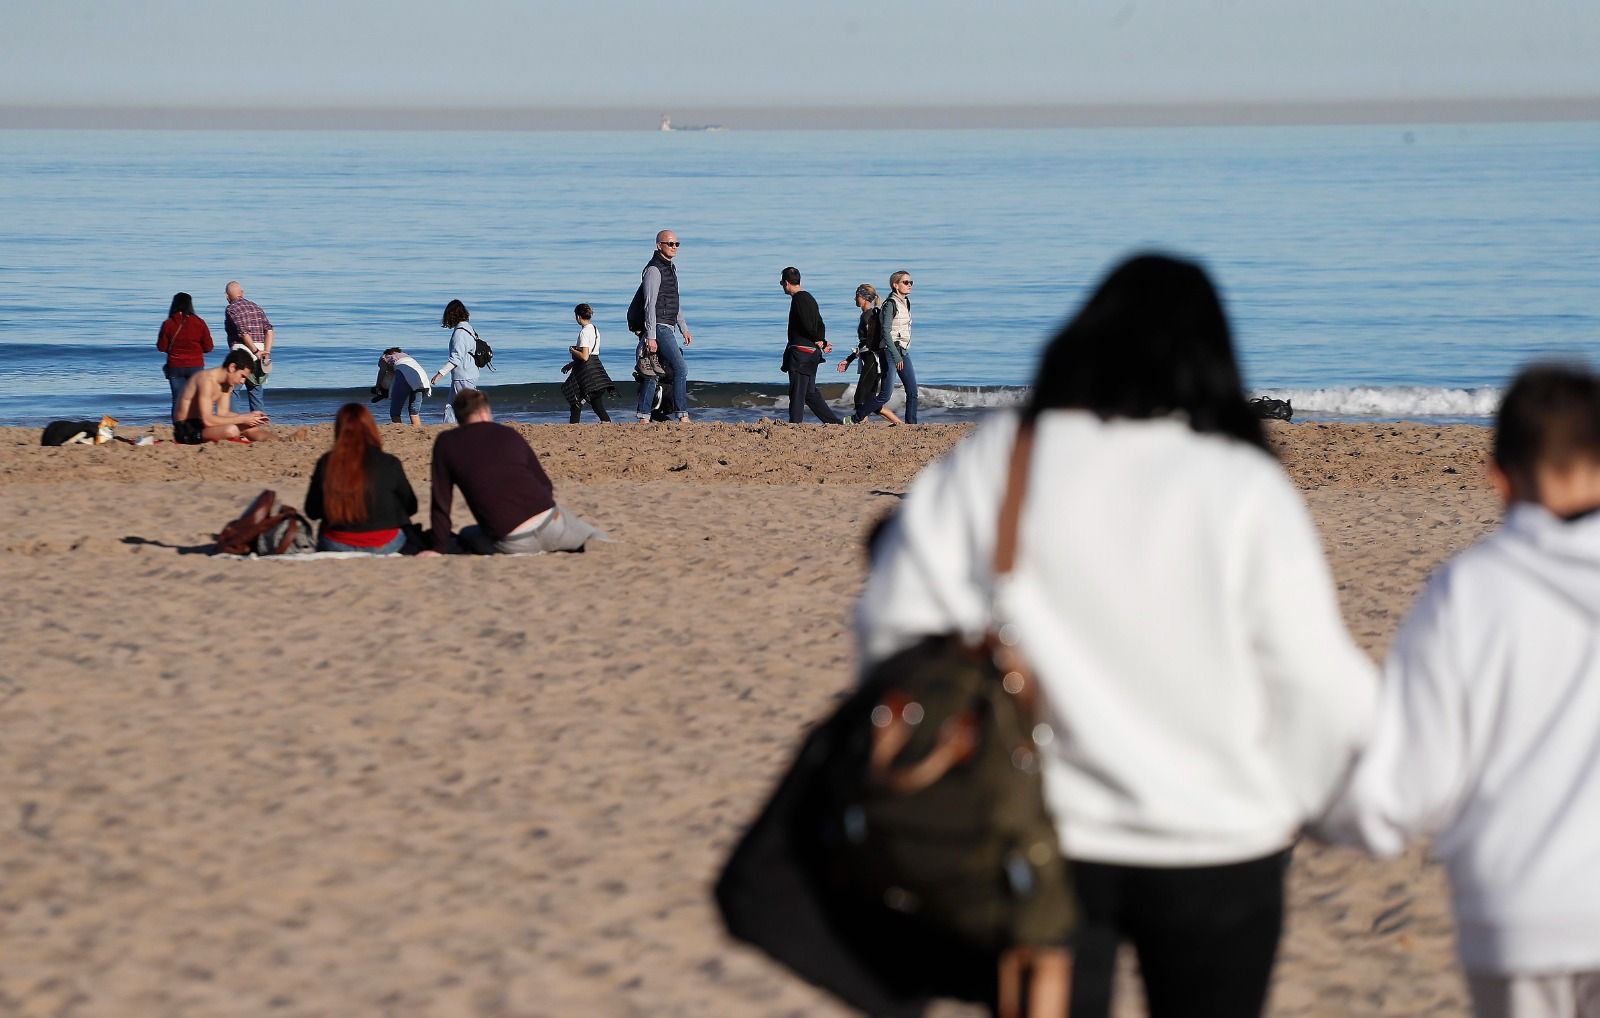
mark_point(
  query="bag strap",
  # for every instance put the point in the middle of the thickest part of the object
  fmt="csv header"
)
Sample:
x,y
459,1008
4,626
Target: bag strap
x,y
1005,541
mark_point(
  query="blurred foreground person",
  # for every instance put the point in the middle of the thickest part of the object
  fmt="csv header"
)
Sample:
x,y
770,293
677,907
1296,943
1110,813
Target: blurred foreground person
x,y
1203,697
1488,730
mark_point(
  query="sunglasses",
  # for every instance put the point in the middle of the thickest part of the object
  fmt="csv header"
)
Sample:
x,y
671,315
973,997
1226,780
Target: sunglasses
x,y
906,281
669,243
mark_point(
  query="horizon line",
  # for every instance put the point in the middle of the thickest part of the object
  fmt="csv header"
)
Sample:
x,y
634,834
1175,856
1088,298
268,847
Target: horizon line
x,y
817,117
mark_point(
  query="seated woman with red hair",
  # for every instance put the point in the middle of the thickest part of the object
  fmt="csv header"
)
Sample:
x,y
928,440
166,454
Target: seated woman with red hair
x,y
358,491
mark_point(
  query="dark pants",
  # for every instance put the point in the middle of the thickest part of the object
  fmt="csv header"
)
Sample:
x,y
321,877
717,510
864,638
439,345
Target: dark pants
x,y
803,389
597,403
1206,936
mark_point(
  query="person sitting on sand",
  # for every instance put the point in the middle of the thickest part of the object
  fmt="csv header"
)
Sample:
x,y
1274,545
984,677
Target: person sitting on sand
x,y
201,413
359,491
504,484
1488,728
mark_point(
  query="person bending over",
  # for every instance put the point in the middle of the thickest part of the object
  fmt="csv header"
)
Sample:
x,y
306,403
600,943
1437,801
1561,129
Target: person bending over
x,y
201,413
1488,729
504,484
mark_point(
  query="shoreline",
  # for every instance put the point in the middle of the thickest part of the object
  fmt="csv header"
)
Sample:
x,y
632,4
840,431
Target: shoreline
x,y
460,785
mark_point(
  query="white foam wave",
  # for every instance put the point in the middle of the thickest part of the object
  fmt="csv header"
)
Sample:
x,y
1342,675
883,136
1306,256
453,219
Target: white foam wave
x,y
1391,401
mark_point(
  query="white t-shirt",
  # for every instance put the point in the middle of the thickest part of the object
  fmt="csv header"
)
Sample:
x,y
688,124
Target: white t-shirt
x,y
589,339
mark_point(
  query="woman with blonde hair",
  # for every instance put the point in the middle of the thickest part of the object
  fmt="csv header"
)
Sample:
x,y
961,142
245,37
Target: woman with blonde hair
x,y
358,491
875,382
896,315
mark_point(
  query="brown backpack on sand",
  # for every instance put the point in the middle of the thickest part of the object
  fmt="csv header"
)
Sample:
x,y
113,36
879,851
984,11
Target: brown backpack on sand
x,y
268,527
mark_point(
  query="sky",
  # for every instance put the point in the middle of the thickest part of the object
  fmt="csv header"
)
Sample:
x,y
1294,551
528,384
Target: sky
x,y
503,54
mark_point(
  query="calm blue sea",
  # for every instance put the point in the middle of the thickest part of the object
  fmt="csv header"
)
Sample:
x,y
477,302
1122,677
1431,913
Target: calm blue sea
x,y
1377,272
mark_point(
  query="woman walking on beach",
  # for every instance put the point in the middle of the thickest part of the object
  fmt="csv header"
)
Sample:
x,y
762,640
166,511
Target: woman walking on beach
x,y
359,491
586,376
896,315
463,370
875,381
186,340
1203,698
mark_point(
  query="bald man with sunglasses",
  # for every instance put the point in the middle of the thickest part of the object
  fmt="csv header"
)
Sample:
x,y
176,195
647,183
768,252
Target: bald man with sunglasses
x,y
662,313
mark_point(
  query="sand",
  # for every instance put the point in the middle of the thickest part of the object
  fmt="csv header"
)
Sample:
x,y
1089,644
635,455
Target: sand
x,y
502,786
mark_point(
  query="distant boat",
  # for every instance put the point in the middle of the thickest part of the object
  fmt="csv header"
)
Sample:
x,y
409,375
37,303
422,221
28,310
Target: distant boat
x,y
666,125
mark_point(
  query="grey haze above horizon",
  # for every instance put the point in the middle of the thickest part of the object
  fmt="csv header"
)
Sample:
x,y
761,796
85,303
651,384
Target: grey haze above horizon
x,y
829,61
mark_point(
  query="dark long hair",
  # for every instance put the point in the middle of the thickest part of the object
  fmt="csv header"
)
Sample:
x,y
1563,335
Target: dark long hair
x,y
182,304
344,482
1152,341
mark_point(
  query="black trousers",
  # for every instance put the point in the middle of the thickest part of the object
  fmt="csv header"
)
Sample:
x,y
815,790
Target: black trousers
x,y
1206,936
803,393
597,402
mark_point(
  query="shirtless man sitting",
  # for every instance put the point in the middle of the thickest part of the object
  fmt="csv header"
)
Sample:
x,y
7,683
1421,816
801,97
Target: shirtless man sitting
x,y
201,414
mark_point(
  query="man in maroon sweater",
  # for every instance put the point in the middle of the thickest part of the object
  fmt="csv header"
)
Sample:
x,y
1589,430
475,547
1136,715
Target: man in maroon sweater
x,y
507,490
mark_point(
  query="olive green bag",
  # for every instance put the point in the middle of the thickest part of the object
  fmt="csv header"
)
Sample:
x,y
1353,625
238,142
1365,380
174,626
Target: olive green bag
x,y
916,815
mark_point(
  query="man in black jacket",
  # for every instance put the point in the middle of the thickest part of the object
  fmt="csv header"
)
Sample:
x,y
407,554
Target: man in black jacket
x,y
808,341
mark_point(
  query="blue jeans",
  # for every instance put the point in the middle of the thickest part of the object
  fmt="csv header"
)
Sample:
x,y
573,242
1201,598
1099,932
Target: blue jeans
x,y
908,378
403,399
178,378
457,383
671,359
253,393
392,548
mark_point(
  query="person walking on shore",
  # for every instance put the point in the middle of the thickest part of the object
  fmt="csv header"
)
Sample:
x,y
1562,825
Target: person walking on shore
x,y
249,330
587,380
657,299
808,341
460,366
186,340
896,315
875,378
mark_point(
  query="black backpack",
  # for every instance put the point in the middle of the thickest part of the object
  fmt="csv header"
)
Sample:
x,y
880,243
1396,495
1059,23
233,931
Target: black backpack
x,y
482,353
636,311
1270,409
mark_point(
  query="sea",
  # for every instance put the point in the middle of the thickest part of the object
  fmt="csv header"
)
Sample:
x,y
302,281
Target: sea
x,y
1370,272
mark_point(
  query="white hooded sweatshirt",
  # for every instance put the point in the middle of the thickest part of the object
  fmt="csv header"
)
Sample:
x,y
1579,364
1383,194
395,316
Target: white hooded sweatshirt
x,y
1488,737
1171,595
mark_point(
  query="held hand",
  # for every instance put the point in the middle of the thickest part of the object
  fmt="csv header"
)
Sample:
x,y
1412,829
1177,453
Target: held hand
x,y
650,345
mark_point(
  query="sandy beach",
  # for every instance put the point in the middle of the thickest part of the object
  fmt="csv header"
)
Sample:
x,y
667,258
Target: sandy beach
x,y
502,786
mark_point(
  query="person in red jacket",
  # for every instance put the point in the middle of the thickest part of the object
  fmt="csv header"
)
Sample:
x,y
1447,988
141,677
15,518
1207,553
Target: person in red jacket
x,y
185,340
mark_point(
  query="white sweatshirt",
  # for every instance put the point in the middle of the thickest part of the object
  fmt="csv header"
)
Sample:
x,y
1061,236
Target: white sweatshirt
x,y
1488,737
1172,597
